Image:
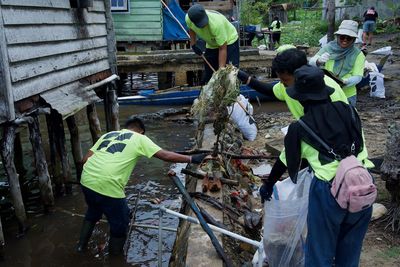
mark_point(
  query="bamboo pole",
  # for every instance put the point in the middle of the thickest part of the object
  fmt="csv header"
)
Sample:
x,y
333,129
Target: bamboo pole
x,y
94,122
35,137
75,146
7,153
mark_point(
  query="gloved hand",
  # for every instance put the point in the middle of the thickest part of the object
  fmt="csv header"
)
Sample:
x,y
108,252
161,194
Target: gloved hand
x,y
198,158
197,50
323,58
266,190
243,76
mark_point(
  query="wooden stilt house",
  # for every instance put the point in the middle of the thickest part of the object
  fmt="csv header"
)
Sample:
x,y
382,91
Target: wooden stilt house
x,y
56,57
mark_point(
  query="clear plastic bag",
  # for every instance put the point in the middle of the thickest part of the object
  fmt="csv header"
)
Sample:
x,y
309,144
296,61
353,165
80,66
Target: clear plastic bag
x,y
285,217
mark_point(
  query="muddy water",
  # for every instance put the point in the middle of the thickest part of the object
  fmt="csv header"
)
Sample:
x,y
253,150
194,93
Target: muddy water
x,y
52,238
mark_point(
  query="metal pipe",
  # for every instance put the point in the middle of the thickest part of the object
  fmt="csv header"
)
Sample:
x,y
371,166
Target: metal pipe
x,y
160,213
102,82
223,231
260,255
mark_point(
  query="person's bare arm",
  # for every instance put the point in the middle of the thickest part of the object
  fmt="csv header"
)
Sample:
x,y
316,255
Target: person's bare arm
x,y
222,55
172,156
87,156
192,35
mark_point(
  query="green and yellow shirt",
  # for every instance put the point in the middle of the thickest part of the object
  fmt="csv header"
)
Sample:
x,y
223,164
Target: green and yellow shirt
x,y
325,172
295,107
217,32
357,70
274,26
115,155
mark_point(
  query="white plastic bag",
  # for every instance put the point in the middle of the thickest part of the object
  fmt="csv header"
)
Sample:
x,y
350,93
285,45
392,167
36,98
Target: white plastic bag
x,y
387,50
376,84
285,217
243,121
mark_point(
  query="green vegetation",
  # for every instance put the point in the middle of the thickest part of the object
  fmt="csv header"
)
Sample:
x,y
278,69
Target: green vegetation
x,y
305,26
391,253
307,29
254,12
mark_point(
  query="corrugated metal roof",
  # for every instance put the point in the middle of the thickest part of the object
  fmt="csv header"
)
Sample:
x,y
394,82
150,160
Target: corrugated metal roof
x,y
70,99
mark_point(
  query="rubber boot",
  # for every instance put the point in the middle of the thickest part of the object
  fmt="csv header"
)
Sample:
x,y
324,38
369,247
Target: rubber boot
x,y
86,233
116,245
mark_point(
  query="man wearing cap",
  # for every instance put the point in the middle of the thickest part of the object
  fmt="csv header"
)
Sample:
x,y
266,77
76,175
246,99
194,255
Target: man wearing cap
x,y
334,236
221,37
343,59
285,64
106,171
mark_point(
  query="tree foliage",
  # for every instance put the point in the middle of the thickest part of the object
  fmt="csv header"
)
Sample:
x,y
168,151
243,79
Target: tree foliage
x,y
254,12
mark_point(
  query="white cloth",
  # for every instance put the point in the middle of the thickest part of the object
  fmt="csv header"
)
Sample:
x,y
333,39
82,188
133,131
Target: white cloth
x,y
243,121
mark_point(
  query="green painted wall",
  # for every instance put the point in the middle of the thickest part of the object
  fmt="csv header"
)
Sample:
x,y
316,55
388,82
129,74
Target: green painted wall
x,y
143,23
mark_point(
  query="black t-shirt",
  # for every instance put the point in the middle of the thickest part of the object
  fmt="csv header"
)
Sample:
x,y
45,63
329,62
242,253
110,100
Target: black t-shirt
x,y
370,14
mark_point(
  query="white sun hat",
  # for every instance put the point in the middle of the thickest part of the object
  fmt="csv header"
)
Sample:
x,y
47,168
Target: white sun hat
x,y
349,28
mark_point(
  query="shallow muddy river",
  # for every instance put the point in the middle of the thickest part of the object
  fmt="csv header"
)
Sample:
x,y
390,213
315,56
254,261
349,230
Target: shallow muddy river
x,y
52,238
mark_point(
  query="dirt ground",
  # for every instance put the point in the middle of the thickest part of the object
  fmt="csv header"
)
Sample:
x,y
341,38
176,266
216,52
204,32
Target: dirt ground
x,y
381,246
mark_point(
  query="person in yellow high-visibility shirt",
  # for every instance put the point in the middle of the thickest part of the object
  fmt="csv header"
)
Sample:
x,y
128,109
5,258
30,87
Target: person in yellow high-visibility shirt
x,y
275,27
221,37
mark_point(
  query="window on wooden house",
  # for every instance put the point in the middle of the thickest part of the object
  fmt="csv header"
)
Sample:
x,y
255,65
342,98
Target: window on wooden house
x,y
120,5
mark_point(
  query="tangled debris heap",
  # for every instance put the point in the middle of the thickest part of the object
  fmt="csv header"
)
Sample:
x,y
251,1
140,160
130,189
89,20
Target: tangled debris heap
x,y
391,174
221,91
238,204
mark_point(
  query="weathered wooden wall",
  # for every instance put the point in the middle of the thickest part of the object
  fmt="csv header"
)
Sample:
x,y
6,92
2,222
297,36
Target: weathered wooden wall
x,y
49,44
142,23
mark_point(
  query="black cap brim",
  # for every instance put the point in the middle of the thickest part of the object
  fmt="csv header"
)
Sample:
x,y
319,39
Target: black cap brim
x,y
202,23
295,94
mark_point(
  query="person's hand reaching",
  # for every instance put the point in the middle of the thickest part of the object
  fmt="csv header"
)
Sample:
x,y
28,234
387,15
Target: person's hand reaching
x,y
266,190
323,58
197,50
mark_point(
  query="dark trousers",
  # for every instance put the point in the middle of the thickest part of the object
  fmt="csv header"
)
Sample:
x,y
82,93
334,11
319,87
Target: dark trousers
x,y
211,55
115,209
334,234
276,37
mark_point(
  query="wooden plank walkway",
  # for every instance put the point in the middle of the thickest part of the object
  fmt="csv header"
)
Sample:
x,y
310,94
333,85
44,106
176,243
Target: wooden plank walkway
x,y
184,60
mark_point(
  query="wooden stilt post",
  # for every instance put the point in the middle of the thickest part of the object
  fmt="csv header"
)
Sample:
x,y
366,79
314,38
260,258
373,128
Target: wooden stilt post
x,y
18,158
107,109
54,163
7,154
61,150
35,137
94,122
113,106
75,145
2,241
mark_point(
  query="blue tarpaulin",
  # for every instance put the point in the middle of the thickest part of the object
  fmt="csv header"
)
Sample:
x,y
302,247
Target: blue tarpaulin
x,y
171,29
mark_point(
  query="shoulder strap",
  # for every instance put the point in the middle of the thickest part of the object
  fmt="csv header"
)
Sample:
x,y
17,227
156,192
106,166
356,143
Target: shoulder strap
x,y
318,139
349,131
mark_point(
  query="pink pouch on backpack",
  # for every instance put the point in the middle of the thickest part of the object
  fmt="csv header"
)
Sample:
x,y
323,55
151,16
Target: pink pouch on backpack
x,y
353,187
